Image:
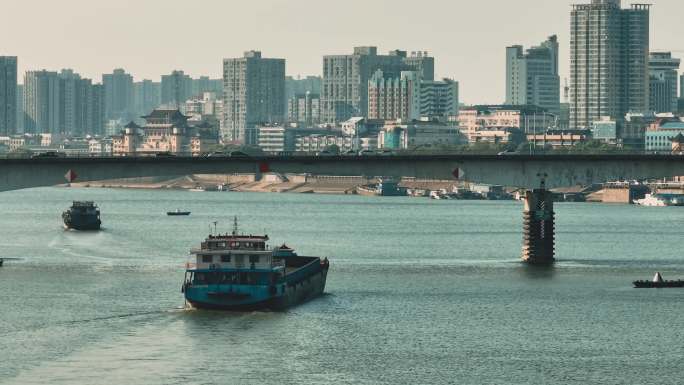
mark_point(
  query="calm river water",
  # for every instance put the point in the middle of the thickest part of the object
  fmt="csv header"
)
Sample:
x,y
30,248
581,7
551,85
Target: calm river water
x,y
419,292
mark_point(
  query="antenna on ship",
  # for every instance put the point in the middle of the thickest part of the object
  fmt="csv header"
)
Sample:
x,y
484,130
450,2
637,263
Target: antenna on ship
x,y
235,225
215,223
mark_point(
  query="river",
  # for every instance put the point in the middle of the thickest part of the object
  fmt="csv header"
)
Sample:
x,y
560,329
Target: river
x,y
419,292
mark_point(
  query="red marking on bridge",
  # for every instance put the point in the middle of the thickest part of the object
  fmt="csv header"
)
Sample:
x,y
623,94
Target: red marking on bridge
x,y
70,176
264,167
458,173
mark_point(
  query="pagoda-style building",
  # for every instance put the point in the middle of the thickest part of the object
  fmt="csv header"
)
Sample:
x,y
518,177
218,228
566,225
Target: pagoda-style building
x,y
127,142
165,130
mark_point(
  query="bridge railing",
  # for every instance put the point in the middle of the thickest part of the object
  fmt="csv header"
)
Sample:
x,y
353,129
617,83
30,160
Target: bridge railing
x,y
294,154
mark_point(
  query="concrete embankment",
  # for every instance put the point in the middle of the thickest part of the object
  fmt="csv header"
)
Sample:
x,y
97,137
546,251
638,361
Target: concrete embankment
x,y
272,182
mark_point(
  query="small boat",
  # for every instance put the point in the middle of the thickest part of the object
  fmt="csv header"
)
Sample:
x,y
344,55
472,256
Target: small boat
x,y
2,260
387,187
178,213
658,283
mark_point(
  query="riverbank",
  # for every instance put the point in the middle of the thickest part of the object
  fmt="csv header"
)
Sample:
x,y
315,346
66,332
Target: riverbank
x,y
278,183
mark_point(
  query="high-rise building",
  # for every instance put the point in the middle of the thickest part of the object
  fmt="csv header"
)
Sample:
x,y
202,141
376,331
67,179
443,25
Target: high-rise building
x,y
41,102
439,99
532,76
304,109
663,82
300,86
345,79
205,84
81,109
176,88
393,98
118,93
609,49
253,94
20,109
8,95
98,125
409,97
146,97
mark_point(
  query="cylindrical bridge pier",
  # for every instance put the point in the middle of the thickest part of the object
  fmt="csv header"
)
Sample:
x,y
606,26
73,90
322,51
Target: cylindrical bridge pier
x,y
538,228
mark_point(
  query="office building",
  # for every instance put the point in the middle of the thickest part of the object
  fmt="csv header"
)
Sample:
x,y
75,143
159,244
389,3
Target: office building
x,y
663,82
345,79
253,94
532,76
609,49
8,95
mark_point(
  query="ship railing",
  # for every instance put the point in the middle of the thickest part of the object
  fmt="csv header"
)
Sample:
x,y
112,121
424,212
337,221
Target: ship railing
x,y
278,263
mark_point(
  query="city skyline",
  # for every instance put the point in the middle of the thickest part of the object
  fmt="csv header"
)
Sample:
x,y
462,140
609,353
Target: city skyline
x,y
449,35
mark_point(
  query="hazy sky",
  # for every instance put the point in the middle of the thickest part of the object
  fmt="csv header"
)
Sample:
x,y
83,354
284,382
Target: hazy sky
x,y
152,37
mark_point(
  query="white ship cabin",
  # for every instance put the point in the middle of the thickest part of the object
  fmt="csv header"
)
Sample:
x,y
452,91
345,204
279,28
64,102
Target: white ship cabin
x,y
236,252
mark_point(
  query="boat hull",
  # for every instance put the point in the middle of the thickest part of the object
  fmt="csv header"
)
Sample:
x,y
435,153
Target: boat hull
x,y
82,223
247,298
658,285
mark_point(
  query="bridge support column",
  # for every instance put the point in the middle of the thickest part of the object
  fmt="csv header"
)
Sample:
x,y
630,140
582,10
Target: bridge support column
x,y
538,228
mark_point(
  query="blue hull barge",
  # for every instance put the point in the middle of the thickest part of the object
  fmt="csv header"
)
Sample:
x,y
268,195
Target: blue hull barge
x,y
83,216
240,273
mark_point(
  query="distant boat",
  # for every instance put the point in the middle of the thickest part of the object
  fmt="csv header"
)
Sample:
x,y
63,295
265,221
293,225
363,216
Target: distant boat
x,y
198,189
658,283
2,260
386,187
178,213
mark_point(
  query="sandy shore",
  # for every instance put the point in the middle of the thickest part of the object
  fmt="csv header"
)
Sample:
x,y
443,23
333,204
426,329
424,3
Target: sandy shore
x,y
303,184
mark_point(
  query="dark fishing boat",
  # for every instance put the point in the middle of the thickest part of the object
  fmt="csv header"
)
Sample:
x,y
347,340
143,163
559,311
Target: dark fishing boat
x,y
658,283
82,216
178,213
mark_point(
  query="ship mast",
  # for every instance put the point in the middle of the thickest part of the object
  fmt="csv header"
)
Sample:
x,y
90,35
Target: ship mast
x,y
235,225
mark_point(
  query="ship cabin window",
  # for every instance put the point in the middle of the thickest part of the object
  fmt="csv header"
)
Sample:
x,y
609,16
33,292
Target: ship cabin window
x,y
253,259
225,258
207,259
221,245
234,245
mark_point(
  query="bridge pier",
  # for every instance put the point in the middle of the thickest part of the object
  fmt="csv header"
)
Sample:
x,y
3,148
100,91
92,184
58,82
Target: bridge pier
x,y
538,228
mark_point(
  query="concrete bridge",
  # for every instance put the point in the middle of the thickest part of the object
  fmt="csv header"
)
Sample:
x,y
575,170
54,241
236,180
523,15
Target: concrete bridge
x,y
534,173
523,171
